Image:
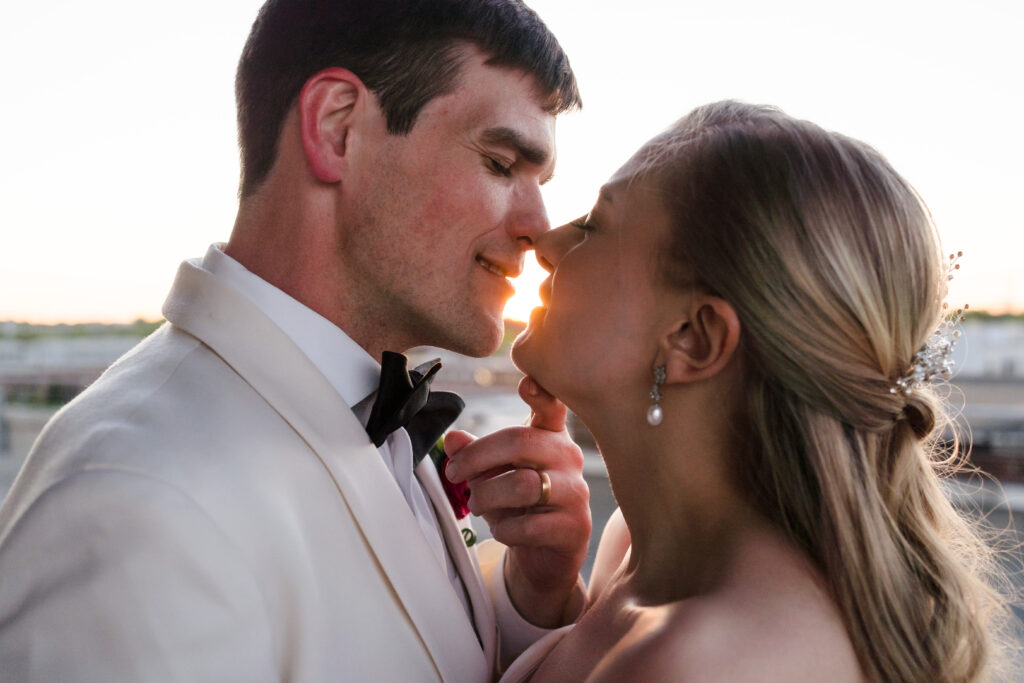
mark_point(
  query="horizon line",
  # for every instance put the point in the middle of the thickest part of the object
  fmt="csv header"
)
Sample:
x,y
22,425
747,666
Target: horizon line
x,y
49,322
46,322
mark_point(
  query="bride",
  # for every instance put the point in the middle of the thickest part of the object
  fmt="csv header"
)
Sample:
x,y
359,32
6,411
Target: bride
x,y
736,321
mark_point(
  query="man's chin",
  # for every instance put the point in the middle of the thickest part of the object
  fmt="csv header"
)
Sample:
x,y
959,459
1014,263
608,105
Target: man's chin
x,y
485,340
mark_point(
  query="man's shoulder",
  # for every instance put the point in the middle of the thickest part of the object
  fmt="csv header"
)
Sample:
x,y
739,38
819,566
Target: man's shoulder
x,y
156,411
134,377
138,396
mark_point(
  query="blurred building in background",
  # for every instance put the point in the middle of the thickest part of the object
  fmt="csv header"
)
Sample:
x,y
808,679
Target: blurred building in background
x,y
43,367
988,392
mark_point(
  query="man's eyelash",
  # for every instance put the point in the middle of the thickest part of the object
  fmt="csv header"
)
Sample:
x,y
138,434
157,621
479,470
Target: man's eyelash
x,y
499,168
582,224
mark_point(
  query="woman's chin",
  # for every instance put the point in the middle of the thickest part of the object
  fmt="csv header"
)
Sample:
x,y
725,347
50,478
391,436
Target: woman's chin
x,y
518,354
524,346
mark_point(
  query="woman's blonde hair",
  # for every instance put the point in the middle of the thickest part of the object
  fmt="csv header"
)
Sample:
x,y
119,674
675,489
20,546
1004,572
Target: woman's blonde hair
x,y
834,268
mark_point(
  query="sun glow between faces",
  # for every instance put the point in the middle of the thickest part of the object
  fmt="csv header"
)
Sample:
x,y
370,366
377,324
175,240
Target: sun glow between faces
x,y
527,296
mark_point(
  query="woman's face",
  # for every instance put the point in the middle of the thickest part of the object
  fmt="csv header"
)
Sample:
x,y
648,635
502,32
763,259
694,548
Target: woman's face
x,y
602,304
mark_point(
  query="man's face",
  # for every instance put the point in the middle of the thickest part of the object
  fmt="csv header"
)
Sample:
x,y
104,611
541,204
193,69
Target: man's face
x,y
439,218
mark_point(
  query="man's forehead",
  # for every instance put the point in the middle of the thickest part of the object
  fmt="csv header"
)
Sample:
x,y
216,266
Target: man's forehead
x,y
502,107
493,90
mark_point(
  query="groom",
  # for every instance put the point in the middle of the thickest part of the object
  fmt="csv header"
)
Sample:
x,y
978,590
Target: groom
x,y
212,508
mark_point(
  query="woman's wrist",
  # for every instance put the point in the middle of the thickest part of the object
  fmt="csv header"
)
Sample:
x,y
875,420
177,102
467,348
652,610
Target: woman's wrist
x,y
549,607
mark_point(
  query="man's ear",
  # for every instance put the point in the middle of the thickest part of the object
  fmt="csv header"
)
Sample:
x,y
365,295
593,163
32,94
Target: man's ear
x,y
328,105
702,344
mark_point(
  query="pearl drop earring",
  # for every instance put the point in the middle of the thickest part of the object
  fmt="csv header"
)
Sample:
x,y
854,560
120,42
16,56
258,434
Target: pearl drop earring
x,y
654,413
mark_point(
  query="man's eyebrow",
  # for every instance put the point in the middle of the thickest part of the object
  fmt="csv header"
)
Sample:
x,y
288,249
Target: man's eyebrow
x,y
534,154
605,194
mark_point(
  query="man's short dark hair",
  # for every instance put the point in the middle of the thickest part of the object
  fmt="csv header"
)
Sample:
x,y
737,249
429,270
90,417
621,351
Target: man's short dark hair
x,y
405,51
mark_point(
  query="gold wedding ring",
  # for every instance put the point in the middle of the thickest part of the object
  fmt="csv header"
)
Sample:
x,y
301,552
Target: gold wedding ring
x,y
545,488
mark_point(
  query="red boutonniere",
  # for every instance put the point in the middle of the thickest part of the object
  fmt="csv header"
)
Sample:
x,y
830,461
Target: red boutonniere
x,y
458,494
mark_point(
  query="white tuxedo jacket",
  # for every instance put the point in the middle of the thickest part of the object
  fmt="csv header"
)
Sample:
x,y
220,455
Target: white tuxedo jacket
x,y
211,510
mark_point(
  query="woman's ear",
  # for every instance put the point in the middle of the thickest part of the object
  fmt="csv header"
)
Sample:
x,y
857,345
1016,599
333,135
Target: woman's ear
x,y
328,106
702,344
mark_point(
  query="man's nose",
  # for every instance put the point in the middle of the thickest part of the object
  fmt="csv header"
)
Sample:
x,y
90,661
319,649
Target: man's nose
x,y
529,219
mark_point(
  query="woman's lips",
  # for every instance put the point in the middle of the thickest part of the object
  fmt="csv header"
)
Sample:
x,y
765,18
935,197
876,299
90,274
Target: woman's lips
x,y
545,291
537,316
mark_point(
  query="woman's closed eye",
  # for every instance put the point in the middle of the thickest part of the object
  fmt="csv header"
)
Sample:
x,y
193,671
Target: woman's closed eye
x,y
583,224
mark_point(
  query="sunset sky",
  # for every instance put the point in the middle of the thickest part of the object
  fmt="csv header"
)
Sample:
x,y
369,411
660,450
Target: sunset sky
x,y
118,155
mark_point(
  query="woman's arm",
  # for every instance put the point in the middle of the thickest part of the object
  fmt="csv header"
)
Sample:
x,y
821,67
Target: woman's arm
x,y
615,542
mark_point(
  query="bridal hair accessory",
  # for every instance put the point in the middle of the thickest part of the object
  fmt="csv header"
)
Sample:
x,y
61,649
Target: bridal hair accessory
x,y
654,413
935,360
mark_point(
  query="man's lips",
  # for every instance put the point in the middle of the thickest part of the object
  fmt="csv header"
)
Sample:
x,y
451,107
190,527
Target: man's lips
x,y
498,268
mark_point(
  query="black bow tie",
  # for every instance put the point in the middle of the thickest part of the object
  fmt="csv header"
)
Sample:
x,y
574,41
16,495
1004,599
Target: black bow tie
x,y
404,399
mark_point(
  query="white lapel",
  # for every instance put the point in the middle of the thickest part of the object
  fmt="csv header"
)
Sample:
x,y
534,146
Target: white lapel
x,y
465,559
270,362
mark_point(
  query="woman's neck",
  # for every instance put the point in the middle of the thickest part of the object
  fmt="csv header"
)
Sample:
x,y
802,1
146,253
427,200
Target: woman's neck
x,y
685,515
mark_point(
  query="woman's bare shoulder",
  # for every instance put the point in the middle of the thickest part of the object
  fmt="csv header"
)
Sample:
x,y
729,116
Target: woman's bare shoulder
x,y
769,623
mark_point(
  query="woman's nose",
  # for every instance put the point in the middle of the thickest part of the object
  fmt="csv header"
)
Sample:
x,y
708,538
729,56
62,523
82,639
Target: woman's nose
x,y
552,245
